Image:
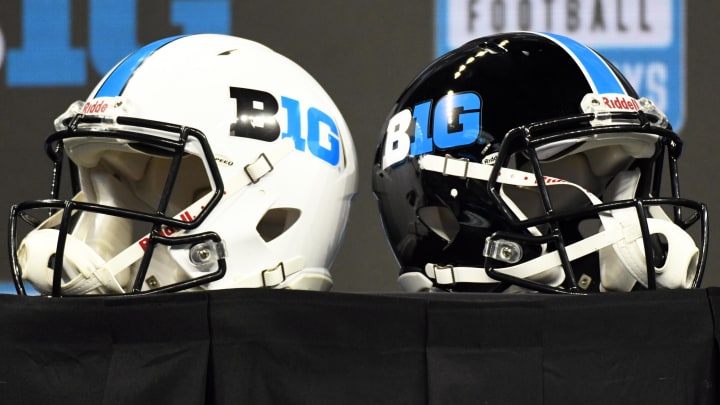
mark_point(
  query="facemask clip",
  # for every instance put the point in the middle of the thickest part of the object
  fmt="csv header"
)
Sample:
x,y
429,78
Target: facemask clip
x,y
204,254
502,250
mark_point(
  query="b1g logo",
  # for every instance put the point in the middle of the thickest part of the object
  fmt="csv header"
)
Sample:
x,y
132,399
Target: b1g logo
x,y
257,118
455,121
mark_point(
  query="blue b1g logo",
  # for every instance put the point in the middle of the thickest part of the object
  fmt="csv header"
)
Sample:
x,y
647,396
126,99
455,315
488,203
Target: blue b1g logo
x,y
456,121
47,57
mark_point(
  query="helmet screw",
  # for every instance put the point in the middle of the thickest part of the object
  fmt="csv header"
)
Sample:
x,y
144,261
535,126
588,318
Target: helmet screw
x,y
152,282
205,253
200,253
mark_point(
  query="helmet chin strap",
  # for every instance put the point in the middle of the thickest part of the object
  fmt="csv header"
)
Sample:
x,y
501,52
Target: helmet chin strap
x,y
84,268
623,263
81,264
619,240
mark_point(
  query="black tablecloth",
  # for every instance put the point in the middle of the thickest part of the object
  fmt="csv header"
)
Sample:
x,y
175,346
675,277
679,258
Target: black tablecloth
x,y
297,347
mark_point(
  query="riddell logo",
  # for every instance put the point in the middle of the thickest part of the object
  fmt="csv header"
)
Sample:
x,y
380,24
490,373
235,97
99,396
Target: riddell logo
x,y
621,103
98,106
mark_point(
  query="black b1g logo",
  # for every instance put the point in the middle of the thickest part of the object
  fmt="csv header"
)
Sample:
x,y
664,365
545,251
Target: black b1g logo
x,y
255,114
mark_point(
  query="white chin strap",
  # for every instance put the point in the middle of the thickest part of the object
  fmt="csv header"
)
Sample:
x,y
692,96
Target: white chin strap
x,y
82,266
86,271
619,240
623,263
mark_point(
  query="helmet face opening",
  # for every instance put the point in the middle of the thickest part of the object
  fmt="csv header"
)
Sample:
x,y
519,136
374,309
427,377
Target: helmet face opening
x,y
526,161
135,189
133,175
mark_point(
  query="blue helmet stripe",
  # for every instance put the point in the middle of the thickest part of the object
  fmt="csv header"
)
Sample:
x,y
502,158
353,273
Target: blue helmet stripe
x,y
117,80
601,78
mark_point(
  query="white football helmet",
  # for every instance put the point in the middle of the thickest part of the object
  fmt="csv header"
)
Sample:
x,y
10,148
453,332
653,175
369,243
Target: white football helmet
x,y
198,162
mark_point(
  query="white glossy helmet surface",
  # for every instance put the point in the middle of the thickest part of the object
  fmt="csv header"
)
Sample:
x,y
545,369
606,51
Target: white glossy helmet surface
x,y
202,161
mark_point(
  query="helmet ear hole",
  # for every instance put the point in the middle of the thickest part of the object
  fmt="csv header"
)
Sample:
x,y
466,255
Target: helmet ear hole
x,y
276,221
441,221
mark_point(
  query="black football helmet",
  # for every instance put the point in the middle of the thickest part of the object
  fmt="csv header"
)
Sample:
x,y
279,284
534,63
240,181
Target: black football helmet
x,y
526,161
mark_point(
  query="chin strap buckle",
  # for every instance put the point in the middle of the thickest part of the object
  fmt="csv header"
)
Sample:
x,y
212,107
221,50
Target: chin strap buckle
x,y
273,276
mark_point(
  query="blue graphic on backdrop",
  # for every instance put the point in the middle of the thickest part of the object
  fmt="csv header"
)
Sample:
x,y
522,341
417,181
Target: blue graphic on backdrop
x,y
47,57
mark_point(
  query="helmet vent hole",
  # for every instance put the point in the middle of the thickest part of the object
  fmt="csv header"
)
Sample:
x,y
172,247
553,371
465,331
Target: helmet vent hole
x,y
276,221
659,245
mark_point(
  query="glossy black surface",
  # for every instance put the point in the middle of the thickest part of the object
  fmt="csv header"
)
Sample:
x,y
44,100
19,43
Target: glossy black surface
x,y
522,79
